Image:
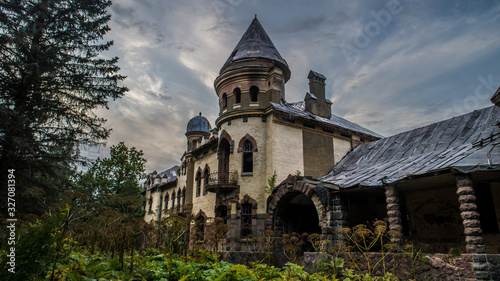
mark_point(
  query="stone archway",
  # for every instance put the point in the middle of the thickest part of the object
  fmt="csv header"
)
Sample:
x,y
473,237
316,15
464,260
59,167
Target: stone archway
x,y
297,206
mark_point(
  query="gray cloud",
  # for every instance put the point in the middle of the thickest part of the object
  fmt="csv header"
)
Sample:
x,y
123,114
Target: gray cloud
x,y
425,63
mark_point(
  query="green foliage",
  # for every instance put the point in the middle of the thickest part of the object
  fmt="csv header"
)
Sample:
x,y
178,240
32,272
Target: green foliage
x,y
198,266
271,182
39,246
298,173
53,78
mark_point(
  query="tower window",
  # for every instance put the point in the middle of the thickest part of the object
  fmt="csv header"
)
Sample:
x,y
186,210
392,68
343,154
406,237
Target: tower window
x,y
237,95
246,219
247,157
224,100
254,91
166,201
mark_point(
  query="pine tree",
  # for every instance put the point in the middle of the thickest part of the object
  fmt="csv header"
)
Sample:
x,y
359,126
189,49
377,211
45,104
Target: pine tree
x,y
52,78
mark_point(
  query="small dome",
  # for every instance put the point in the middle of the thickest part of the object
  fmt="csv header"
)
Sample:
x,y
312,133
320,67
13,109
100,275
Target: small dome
x,y
198,124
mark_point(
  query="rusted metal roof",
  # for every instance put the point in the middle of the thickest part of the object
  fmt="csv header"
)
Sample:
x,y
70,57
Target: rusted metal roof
x,y
255,43
298,109
466,143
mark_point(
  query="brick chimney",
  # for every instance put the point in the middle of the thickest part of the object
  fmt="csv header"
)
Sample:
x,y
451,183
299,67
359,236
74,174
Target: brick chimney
x,y
316,103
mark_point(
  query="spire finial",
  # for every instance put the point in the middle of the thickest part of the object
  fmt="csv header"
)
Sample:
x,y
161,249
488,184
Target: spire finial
x,y
200,113
255,16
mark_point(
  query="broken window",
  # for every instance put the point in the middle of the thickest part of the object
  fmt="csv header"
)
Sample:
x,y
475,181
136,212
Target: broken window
x,y
200,228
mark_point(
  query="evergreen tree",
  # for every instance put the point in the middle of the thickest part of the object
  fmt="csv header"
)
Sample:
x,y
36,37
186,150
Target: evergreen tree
x,y
52,78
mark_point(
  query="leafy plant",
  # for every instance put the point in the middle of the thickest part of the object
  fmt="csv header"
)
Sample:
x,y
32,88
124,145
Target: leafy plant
x,y
271,182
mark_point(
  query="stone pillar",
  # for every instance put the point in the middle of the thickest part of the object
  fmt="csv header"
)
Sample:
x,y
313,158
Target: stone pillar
x,y
394,217
338,219
470,216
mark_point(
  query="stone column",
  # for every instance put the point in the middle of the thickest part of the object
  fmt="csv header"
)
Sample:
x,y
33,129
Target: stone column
x,y
470,216
338,219
394,217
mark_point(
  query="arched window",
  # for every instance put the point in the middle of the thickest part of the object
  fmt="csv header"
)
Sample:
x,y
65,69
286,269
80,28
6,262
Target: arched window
x,y
198,183
166,201
237,95
179,199
200,228
247,157
224,100
173,200
246,219
206,177
254,91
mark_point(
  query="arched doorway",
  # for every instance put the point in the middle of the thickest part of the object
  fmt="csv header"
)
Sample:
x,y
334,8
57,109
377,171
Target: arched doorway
x,y
296,212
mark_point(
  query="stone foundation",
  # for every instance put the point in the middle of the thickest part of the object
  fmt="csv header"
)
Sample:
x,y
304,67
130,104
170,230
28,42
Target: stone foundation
x,y
428,267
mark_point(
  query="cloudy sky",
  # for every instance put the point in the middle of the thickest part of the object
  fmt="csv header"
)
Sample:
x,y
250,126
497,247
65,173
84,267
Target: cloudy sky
x,y
390,65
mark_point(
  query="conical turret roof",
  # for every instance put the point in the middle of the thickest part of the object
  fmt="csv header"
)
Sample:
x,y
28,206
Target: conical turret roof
x,y
255,43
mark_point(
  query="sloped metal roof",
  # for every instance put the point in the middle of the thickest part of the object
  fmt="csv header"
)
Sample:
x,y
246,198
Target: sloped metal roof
x,y
466,143
170,175
298,109
255,43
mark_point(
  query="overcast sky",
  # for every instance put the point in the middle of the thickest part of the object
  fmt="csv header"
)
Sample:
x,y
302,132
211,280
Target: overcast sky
x,y
390,65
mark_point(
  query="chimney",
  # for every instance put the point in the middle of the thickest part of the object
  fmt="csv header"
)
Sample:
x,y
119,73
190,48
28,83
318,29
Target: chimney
x,y
316,103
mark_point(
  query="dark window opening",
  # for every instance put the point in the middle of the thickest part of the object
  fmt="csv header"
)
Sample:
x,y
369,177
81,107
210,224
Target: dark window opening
x,y
246,219
224,161
198,184
486,208
328,131
221,212
291,121
308,125
254,91
184,196
237,95
167,198
224,100
150,204
173,200
200,229
247,157
345,135
206,176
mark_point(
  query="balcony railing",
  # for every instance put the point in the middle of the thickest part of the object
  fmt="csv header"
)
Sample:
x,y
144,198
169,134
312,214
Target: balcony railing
x,y
222,181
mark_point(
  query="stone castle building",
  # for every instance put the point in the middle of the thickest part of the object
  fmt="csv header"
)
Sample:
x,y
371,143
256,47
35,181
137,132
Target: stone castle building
x,y
225,168
438,185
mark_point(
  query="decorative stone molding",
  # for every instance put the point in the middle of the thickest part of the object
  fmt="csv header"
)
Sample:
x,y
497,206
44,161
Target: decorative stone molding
x,y
470,215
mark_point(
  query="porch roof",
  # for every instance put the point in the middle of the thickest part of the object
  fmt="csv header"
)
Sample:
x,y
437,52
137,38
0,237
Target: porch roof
x,y
466,143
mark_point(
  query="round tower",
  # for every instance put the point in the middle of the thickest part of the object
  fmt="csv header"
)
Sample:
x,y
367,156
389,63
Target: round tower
x,y
197,127
253,76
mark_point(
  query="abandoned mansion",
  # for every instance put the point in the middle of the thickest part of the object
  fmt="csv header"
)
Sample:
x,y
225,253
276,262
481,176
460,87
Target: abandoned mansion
x,y
438,185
